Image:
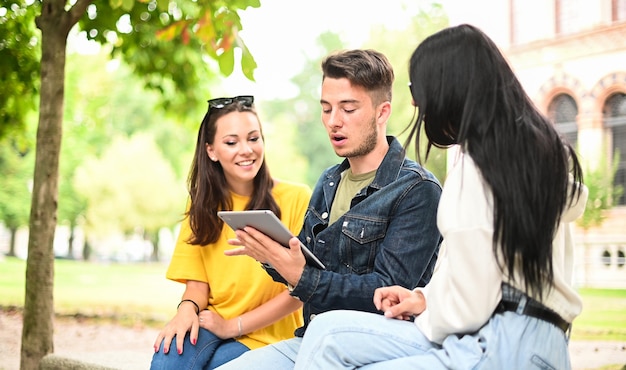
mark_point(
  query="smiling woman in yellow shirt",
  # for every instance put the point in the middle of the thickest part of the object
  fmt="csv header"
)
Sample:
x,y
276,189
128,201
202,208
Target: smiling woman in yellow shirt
x,y
230,305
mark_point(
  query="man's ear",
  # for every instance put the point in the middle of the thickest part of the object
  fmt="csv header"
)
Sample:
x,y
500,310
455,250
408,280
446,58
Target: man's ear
x,y
384,111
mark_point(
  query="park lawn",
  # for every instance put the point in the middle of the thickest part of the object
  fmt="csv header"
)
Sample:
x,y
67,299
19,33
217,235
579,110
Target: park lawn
x,y
127,292
603,316
139,292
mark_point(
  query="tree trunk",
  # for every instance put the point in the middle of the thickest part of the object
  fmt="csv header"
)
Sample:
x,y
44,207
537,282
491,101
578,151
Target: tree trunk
x,y
70,241
155,246
37,330
86,249
12,242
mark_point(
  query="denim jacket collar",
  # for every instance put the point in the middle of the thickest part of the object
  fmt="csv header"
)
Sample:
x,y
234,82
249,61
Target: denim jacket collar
x,y
387,172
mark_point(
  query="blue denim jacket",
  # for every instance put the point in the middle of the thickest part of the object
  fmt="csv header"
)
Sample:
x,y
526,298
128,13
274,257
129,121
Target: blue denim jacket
x,y
388,237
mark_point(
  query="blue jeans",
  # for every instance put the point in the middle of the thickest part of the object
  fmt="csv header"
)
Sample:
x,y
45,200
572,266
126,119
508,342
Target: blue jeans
x,y
208,353
277,356
351,339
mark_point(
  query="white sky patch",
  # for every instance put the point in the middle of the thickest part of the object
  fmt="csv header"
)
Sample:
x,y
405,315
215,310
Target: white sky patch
x,y
280,33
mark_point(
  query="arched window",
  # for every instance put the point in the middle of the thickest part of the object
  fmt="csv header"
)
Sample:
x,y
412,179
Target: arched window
x,y
621,259
563,111
614,113
606,258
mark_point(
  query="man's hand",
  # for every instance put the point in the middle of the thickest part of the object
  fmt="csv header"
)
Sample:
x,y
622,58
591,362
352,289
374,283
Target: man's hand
x,y
399,303
289,262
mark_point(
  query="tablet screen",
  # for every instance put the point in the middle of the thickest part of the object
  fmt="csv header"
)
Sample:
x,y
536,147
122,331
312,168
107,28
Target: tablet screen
x,y
266,222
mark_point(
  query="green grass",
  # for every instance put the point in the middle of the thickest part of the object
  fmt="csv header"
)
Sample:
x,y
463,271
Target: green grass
x,y
603,316
122,292
139,292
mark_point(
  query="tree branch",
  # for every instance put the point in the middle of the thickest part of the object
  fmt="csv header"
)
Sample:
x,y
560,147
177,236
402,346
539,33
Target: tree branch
x,y
78,10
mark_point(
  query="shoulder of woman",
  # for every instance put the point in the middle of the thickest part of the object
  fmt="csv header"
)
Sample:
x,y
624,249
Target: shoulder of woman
x,y
290,186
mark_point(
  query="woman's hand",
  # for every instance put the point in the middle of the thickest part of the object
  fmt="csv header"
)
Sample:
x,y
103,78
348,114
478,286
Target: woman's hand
x,y
219,326
399,303
185,321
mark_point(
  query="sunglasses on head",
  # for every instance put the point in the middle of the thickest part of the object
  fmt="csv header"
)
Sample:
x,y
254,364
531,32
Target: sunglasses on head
x,y
219,103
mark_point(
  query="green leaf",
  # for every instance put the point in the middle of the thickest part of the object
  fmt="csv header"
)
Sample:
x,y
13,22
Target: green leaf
x,y
115,4
128,5
206,28
210,50
243,4
248,64
163,4
227,62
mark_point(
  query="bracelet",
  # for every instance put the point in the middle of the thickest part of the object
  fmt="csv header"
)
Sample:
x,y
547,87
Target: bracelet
x,y
194,303
240,326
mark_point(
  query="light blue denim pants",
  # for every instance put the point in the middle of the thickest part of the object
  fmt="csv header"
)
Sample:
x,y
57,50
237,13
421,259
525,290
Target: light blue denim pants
x,y
277,356
352,339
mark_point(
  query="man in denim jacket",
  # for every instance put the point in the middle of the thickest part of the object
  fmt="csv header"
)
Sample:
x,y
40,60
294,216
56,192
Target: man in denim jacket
x,y
371,219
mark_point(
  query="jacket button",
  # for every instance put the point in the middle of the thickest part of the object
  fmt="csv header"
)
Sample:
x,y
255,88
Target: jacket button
x,y
311,317
325,215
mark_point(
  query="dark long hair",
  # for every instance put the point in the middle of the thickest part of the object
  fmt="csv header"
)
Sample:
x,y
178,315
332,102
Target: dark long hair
x,y
467,94
208,189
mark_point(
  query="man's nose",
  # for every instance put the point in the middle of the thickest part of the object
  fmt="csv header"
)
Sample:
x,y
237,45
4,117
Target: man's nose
x,y
334,120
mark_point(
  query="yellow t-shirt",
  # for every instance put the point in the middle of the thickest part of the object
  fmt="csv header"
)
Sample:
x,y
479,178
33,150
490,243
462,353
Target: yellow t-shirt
x,y
239,284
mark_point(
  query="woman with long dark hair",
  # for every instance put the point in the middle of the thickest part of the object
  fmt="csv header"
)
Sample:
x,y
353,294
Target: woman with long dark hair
x,y
501,296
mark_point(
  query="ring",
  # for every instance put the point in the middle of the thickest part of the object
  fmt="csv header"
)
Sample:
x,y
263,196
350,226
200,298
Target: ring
x,y
201,319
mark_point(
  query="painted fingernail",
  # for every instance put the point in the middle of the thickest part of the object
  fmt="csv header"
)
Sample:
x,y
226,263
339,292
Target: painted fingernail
x,y
193,341
180,351
156,349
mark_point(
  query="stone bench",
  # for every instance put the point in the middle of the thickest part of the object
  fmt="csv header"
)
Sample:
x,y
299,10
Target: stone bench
x,y
54,362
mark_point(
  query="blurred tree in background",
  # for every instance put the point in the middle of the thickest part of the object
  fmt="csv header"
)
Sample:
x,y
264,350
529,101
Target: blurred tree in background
x,y
302,113
142,196
603,194
16,167
19,67
114,105
397,44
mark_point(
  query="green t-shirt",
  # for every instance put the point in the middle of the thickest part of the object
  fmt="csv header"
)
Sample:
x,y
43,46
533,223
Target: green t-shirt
x,y
349,186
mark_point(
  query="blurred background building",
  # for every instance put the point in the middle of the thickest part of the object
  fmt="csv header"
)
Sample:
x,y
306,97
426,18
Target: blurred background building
x,y
571,58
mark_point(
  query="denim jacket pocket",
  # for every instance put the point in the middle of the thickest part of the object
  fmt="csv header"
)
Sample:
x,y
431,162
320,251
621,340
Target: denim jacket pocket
x,y
363,235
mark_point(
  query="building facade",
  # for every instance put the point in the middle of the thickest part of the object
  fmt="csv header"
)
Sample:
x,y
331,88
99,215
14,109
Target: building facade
x,y
570,55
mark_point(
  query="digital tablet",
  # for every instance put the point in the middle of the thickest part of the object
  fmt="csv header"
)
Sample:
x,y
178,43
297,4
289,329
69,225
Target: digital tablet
x,y
266,222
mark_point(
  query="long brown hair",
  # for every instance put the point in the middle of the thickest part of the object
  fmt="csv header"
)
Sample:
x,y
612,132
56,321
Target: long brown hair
x,y
208,189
